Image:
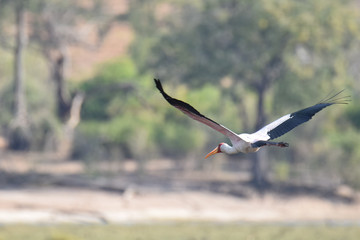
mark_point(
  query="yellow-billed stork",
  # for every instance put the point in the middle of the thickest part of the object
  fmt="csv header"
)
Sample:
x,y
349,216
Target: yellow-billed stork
x,y
248,143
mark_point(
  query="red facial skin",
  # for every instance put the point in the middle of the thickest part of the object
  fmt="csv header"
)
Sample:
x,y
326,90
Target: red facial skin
x,y
219,150
216,150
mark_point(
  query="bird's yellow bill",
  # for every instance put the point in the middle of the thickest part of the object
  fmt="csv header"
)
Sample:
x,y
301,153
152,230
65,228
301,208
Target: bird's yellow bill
x,y
216,150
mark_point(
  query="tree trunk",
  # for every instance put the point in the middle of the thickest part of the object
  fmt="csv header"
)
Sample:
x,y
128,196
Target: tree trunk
x,y
62,98
19,133
260,159
68,109
67,139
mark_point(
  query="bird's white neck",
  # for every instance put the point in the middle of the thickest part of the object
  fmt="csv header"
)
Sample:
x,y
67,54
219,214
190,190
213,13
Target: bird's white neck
x,y
226,148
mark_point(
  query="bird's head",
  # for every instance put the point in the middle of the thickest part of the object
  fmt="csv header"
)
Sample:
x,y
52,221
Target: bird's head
x,y
216,150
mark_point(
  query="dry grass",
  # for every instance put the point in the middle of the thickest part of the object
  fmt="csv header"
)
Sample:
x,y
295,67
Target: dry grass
x,y
179,231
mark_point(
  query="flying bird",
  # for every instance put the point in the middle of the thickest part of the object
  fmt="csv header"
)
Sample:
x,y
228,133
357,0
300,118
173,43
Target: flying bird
x,y
248,143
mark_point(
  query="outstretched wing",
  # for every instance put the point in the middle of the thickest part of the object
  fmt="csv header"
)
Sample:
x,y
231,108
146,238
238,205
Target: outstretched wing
x,y
196,115
288,122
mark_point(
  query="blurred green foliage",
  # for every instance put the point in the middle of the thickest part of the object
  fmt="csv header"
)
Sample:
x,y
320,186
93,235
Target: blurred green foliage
x,y
105,85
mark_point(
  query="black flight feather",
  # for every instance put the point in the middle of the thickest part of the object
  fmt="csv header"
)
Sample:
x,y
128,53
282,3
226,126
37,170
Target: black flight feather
x,y
178,103
306,114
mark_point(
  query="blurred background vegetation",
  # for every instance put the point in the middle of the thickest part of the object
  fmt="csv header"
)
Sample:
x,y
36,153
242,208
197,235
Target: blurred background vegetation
x,y
242,63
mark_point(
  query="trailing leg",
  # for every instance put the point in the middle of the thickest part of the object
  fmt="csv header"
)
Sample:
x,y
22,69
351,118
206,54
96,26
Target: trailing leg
x,y
268,143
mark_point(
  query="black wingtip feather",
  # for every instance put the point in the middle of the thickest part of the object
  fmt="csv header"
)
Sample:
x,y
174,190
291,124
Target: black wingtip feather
x,y
178,103
173,101
336,98
158,85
